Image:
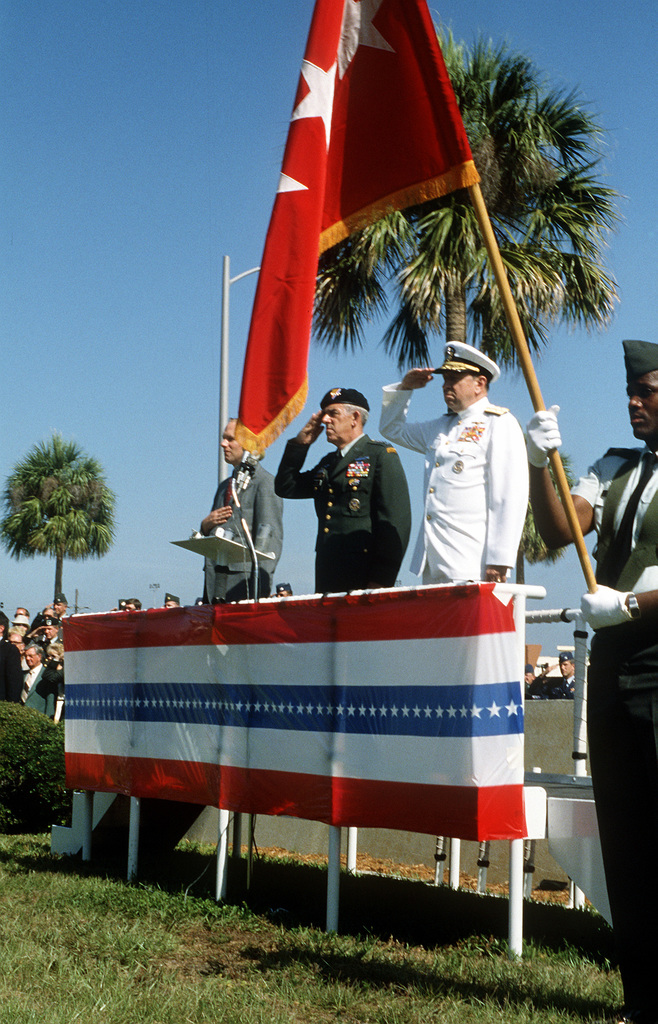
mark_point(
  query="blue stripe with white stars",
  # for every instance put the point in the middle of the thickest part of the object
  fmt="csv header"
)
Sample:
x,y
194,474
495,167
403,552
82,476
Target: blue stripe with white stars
x,y
488,709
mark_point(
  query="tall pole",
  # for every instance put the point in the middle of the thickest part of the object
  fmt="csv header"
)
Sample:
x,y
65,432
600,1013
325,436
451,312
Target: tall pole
x,y
222,468
224,413
523,352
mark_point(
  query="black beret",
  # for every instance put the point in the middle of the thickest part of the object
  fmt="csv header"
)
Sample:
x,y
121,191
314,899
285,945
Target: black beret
x,y
640,357
345,396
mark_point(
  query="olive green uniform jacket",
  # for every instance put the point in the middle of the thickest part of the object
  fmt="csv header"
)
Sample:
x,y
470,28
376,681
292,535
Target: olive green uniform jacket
x,y
364,515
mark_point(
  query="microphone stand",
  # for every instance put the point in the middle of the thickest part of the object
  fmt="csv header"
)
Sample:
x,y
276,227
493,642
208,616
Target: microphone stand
x,y
244,474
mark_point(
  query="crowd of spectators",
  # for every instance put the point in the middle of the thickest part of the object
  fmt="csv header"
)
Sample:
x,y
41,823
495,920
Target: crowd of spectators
x,y
32,654
32,658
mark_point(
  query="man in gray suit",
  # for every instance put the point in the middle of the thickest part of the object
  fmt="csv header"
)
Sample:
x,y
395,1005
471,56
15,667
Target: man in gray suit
x,y
262,511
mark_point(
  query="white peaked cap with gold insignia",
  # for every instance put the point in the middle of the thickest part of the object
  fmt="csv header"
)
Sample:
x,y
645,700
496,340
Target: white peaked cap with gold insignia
x,y
459,357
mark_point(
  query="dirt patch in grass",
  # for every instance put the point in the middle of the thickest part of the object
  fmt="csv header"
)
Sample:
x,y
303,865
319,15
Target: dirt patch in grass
x,y
546,891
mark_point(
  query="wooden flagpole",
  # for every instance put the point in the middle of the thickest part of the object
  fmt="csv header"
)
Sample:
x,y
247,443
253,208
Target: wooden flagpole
x,y
525,360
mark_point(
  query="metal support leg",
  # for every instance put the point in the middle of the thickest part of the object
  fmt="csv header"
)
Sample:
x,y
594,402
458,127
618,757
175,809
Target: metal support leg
x,y
333,879
88,823
439,859
133,838
222,855
483,865
515,898
250,848
237,836
529,847
455,854
352,837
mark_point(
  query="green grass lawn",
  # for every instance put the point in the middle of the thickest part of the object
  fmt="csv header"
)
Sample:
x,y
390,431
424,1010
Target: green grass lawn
x,y
80,944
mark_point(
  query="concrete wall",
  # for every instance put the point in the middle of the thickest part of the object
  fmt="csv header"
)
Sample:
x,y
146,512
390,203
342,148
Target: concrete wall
x,y
548,745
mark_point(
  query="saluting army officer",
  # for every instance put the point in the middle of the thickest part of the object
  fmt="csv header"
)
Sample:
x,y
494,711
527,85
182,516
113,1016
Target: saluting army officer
x,y
476,476
360,493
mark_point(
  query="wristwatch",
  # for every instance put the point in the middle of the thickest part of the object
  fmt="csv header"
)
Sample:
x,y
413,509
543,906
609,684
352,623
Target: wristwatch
x,y
633,606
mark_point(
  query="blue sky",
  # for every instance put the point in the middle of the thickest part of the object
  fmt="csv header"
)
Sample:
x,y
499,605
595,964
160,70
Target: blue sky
x,y
141,142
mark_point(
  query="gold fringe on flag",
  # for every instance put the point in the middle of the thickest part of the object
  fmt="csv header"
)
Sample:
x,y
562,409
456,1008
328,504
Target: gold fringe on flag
x,y
257,443
461,176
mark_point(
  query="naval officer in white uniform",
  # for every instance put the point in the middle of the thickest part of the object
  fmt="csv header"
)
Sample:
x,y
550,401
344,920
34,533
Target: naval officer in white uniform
x,y
476,476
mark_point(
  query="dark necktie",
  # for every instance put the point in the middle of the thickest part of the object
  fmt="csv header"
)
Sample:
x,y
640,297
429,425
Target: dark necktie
x,y
619,550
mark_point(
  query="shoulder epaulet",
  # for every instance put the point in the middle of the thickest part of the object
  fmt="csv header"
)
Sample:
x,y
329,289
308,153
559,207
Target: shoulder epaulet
x,y
496,410
384,444
624,453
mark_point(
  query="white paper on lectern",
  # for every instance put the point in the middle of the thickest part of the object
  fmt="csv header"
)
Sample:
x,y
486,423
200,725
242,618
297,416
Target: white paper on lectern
x,y
222,551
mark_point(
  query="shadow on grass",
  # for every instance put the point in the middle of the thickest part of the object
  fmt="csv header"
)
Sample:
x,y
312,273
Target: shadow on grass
x,y
295,895
412,912
506,989
415,913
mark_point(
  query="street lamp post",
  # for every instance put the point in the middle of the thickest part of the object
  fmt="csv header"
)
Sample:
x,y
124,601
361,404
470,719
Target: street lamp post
x,y
227,281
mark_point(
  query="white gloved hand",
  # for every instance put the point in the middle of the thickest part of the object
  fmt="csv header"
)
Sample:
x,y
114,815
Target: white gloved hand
x,y
543,436
605,608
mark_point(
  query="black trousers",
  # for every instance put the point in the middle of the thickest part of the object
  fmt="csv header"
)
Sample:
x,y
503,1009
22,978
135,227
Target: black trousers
x,y
623,746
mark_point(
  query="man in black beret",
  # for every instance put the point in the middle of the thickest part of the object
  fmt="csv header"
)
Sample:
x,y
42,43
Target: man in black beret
x,y
619,499
360,493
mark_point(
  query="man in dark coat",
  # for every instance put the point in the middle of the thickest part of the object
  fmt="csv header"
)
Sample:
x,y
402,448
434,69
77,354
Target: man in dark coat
x,y
11,673
360,493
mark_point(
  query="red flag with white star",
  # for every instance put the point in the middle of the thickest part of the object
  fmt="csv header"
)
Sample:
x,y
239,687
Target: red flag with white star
x,y
375,128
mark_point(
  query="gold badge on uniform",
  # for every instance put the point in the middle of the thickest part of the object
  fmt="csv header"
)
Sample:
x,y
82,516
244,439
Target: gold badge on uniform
x,y
458,466
355,505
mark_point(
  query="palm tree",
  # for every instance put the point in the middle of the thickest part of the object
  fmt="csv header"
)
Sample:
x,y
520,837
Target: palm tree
x,y
56,502
537,151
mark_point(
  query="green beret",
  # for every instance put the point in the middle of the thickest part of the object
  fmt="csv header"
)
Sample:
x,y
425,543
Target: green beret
x,y
640,357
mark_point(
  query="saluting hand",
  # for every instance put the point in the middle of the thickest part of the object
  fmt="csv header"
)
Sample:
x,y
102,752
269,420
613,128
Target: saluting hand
x,y
312,430
416,378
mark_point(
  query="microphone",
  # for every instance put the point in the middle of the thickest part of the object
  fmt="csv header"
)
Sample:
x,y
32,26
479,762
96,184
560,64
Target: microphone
x,y
246,470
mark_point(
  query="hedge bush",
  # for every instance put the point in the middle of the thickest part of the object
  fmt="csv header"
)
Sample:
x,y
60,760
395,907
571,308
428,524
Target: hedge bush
x,y
33,793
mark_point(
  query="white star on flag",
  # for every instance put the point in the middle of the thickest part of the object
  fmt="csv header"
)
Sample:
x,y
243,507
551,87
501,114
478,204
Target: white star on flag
x,y
358,30
319,101
288,184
